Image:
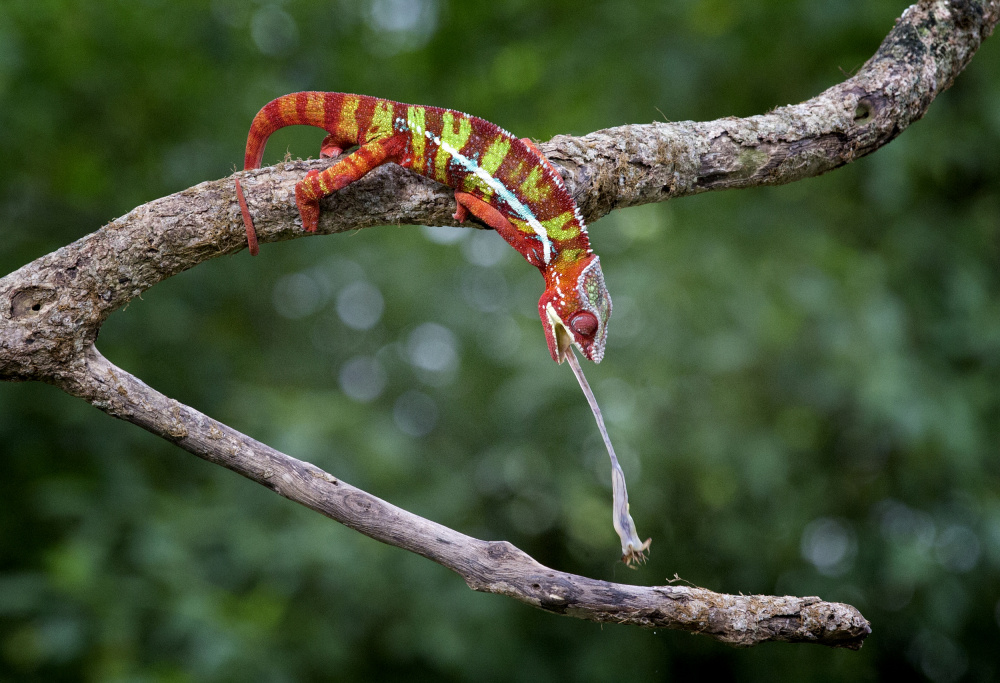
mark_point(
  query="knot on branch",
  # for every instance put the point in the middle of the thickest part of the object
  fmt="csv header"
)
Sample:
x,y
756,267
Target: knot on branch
x,y
30,301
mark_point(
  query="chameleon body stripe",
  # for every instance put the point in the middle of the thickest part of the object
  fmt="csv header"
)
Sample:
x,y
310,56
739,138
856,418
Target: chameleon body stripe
x,y
381,122
347,124
415,120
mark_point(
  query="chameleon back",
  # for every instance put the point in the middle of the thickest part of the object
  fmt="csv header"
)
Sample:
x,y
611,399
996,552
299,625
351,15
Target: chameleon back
x,y
462,151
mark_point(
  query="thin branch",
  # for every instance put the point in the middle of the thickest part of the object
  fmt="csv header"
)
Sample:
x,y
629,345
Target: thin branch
x,y
487,566
51,309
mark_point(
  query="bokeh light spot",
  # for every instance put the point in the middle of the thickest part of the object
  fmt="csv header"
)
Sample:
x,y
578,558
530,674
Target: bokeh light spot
x,y
360,305
274,31
362,379
296,296
829,545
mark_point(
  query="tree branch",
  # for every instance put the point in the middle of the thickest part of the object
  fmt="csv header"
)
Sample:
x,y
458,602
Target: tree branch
x,y
51,309
487,566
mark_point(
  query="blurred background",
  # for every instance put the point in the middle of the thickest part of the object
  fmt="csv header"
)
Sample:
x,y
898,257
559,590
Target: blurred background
x,y
801,381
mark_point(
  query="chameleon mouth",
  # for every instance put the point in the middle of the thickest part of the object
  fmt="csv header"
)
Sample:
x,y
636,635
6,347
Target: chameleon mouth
x,y
561,333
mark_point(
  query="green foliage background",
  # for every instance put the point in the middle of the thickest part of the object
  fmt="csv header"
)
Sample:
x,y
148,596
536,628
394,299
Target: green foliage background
x,y
801,381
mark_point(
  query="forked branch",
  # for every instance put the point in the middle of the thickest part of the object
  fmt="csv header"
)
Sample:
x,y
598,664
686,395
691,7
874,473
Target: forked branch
x,y
51,309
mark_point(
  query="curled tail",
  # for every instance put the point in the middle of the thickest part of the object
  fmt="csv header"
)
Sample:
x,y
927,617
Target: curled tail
x,y
272,116
320,109
247,220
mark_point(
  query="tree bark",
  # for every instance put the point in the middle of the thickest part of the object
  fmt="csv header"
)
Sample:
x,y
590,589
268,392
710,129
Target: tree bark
x,y
52,308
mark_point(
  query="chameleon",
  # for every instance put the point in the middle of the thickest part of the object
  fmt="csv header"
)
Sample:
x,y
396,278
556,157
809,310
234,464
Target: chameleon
x,y
501,181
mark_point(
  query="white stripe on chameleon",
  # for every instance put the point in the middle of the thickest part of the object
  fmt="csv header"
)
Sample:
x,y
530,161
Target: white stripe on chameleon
x,y
512,201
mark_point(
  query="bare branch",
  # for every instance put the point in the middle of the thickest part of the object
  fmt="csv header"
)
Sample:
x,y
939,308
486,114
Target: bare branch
x,y
930,45
51,309
490,567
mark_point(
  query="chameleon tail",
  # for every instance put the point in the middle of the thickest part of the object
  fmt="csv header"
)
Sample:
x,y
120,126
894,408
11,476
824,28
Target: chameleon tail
x,y
321,109
247,220
272,116
306,108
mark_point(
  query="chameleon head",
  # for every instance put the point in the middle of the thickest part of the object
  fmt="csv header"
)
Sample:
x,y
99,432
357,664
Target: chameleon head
x,y
575,308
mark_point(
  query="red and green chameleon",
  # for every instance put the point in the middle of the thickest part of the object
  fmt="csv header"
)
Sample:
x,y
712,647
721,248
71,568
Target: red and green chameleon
x,y
502,181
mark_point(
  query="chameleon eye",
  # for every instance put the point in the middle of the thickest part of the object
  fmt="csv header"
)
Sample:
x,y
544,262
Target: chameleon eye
x,y
584,323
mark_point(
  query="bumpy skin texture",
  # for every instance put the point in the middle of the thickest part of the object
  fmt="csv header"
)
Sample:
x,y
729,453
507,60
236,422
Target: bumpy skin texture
x,y
502,181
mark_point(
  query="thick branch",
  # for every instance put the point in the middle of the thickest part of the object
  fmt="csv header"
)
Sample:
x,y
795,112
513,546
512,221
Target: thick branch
x,y
52,308
490,567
